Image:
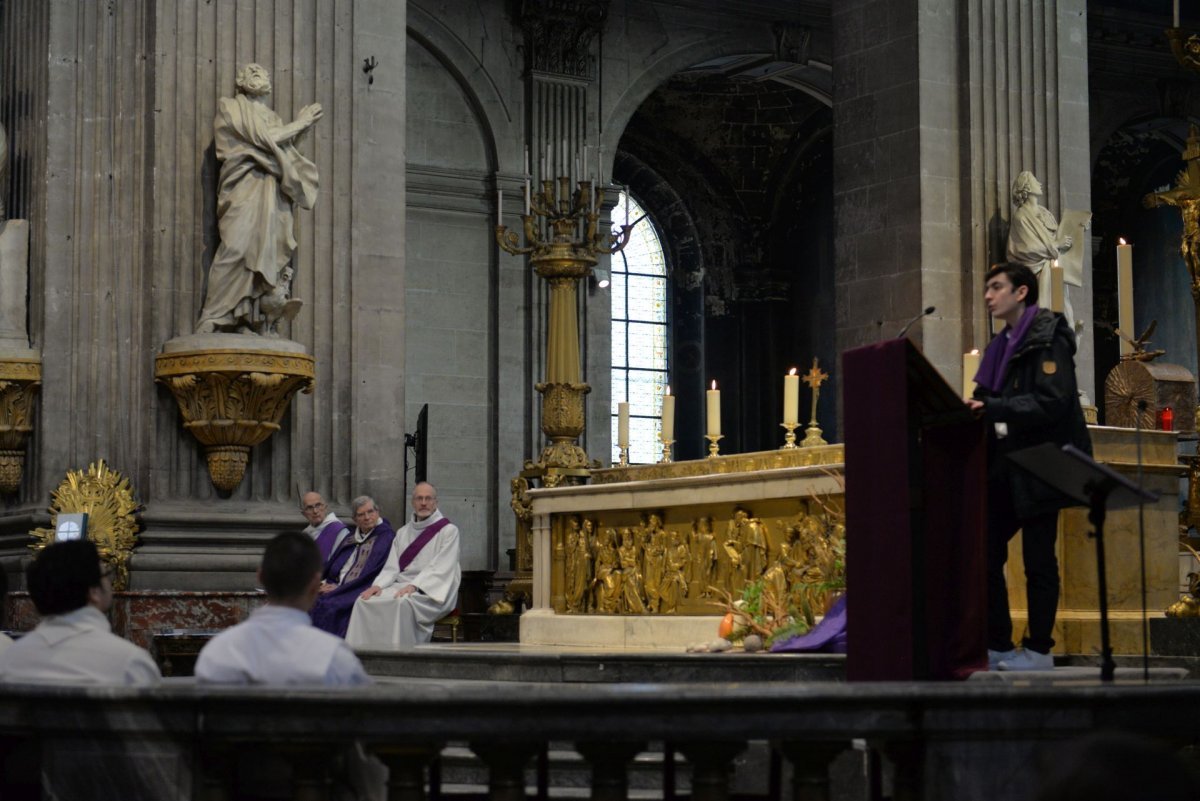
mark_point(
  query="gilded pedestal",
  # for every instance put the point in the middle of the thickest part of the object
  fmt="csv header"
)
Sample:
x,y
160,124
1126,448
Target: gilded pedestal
x,y
20,378
232,392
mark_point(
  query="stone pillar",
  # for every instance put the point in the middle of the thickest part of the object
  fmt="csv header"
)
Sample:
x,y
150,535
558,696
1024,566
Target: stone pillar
x,y
937,107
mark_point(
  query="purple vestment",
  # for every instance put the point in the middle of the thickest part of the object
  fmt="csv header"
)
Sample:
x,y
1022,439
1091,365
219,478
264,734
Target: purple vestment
x,y
327,537
332,610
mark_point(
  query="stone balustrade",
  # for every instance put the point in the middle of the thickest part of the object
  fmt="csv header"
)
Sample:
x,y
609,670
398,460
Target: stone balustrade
x,y
969,740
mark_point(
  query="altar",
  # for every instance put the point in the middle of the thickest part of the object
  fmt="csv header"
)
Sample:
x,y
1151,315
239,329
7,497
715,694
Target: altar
x,y
793,490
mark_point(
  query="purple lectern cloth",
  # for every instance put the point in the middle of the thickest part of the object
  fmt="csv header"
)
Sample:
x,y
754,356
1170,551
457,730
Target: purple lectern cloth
x,y
332,610
828,636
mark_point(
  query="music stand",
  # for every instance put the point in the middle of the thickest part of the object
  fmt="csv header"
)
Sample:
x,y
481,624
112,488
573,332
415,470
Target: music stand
x,y
1079,476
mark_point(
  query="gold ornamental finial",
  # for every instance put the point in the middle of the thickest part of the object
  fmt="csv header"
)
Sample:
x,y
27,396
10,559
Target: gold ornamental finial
x,y
814,378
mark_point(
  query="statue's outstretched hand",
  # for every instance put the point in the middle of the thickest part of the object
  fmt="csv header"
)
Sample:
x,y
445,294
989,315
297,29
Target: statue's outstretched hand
x,y
311,113
1065,245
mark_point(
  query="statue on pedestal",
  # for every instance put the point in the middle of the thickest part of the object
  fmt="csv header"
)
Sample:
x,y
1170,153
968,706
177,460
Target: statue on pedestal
x,y
1034,238
262,177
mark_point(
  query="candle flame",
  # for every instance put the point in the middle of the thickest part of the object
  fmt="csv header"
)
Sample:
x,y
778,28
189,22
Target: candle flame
x,y
1054,263
668,389
792,371
714,384
1121,241
974,351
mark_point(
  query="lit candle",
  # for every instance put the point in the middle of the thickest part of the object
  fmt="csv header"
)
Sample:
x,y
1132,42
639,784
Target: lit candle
x,y
668,416
1125,293
714,410
1057,289
970,368
791,398
622,425
499,205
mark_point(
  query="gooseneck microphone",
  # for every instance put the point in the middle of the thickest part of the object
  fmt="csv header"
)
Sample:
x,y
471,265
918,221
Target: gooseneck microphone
x,y
928,311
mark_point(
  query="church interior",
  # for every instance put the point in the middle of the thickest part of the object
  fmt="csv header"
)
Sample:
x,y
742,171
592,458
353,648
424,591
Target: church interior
x,y
592,268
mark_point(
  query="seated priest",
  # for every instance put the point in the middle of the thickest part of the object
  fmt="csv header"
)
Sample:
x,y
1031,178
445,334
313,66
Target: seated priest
x,y
417,587
278,644
352,567
74,644
323,526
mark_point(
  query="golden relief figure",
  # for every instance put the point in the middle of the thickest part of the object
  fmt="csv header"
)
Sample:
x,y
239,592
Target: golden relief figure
x,y
703,558
674,581
578,564
631,574
653,541
607,581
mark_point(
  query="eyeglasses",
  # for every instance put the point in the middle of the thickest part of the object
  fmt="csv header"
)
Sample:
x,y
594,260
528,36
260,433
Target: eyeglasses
x,y
312,507
424,497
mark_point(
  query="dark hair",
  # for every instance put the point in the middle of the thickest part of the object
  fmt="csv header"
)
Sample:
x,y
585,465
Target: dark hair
x,y
1019,275
61,575
288,565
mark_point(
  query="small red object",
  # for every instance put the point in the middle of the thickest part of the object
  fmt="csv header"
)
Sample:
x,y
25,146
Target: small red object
x,y
1166,419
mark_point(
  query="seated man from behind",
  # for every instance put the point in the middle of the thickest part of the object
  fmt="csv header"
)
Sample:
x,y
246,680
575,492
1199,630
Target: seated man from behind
x,y
417,587
278,644
72,590
352,567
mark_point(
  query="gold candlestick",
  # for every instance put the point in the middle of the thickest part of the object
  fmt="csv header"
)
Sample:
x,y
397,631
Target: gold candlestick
x,y
666,454
814,378
789,439
624,452
713,448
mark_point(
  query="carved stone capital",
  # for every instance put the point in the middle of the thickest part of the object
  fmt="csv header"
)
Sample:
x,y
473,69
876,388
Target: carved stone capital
x,y
560,33
231,399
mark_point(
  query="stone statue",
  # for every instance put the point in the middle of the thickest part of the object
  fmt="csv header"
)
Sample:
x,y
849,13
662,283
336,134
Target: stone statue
x,y
262,177
1033,235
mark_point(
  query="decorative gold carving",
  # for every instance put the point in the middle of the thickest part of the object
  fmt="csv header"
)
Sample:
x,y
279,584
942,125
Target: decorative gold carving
x,y
722,465
231,400
105,496
647,567
812,434
19,382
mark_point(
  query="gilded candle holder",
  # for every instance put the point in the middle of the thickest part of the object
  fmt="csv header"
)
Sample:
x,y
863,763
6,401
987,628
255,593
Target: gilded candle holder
x,y
812,436
666,452
789,439
713,448
623,460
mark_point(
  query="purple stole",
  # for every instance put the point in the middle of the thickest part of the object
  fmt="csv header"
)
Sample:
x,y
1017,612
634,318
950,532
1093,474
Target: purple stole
x,y
327,536
414,547
332,610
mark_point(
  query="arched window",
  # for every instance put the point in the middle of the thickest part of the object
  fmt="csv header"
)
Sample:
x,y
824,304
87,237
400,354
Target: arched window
x,y
640,333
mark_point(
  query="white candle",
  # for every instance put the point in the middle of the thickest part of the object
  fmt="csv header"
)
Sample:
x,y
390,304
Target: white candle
x,y
668,417
791,398
627,205
1175,15
1057,289
622,425
499,205
970,368
1125,293
713,401
527,201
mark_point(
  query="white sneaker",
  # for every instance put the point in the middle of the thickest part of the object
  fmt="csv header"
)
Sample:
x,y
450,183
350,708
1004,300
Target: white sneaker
x,y
1028,660
996,657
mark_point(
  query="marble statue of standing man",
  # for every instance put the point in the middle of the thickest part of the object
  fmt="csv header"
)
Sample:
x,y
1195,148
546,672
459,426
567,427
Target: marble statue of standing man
x,y
1033,235
262,177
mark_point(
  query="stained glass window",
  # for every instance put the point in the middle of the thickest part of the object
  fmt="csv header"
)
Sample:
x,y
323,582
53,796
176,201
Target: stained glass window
x,y
640,333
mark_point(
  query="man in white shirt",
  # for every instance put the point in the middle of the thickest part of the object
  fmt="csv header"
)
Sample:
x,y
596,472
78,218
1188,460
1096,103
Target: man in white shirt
x,y
323,526
418,584
278,644
72,590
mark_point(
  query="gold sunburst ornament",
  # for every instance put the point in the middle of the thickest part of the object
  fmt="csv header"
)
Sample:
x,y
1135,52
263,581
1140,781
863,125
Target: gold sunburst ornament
x,y
107,499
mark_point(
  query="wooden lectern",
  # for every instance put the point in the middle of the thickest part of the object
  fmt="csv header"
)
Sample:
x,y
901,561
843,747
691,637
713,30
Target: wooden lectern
x,y
915,526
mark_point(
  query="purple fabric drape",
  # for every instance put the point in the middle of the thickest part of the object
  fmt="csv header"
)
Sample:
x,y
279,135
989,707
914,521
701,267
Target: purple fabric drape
x,y
414,547
327,537
828,636
332,610
1000,350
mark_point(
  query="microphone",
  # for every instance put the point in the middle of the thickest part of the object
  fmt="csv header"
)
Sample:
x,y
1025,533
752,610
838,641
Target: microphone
x,y
928,311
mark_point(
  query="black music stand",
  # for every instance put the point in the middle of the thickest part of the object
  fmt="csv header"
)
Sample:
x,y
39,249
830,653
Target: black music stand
x,y
1079,476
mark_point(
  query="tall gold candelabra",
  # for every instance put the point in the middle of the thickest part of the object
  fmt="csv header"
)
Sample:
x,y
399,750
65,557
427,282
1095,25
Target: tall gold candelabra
x,y
562,240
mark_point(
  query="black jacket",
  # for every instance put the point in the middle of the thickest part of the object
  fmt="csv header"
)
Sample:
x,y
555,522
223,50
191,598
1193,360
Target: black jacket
x,y
1040,403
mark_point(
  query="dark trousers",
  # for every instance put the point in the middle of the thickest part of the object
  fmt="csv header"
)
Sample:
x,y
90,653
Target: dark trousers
x,y
1038,535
